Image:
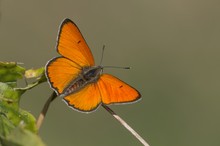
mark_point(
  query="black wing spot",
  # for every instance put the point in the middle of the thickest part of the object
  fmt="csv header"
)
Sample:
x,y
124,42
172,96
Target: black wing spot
x,y
79,42
121,86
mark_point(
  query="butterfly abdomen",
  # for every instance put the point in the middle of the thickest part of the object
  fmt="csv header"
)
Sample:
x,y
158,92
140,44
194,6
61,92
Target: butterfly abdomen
x,y
75,86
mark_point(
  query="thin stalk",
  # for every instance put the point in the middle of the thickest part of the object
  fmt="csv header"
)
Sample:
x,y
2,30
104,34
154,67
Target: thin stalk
x,y
45,109
120,120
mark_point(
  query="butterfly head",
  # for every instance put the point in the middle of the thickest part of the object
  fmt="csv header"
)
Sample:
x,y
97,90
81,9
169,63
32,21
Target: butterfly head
x,y
91,74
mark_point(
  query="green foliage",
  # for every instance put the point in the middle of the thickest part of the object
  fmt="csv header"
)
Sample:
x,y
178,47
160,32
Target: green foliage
x,y
10,72
17,126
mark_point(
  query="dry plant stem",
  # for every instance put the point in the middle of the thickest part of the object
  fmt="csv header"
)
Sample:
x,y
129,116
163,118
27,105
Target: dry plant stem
x,y
44,110
136,135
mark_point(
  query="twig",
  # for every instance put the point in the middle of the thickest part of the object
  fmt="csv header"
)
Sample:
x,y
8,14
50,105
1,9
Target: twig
x,y
136,135
44,110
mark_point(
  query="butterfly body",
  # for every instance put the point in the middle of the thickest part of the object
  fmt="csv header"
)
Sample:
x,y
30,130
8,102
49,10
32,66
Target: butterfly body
x,y
87,76
75,78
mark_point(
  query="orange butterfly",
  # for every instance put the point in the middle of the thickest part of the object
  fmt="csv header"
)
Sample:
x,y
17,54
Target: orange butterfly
x,y
75,77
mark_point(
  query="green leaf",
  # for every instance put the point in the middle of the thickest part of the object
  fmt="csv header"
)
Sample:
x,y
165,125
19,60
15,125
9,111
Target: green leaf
x,y
17,126
34,73
21,137
9,105
10,72
5,125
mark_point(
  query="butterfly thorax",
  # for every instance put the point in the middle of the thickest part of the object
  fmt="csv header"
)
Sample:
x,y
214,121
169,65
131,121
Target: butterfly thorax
x,y
88,75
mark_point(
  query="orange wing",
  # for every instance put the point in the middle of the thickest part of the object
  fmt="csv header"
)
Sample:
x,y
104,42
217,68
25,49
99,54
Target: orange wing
x,y
85,100
71,44
60,72
114,90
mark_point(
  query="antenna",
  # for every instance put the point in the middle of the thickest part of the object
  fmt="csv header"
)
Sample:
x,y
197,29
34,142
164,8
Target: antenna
x,y
120,67
103,48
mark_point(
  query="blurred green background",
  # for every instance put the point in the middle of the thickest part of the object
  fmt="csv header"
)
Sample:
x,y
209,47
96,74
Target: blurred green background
x,y
172,46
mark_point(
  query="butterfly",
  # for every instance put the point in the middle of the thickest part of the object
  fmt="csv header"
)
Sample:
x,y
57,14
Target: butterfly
x,y
75,78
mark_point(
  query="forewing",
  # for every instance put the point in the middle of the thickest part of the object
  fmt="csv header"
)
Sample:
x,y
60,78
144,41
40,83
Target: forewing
x,y
85,100
113,90
72,45
60,72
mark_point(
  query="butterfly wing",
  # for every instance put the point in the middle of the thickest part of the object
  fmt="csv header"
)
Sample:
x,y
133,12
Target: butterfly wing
x,y
85,100
72,45
113,90
76,54
60,72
